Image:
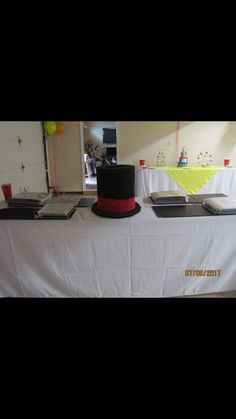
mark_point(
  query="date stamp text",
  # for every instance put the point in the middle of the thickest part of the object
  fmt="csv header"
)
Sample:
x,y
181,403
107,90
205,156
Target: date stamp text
x,y
203,272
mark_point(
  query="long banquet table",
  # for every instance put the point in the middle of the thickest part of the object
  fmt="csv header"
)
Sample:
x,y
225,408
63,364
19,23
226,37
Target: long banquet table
x,y
140,256
152,180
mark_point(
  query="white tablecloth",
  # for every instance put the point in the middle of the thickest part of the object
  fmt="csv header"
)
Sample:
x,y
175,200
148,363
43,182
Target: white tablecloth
x,y
141,256
153,180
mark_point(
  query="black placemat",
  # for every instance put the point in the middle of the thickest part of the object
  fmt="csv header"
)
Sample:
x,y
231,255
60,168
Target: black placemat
x,y
199,198
179,211
12,213
85,202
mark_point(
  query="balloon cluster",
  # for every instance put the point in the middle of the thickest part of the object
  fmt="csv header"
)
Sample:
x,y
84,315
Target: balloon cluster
x,y
54,127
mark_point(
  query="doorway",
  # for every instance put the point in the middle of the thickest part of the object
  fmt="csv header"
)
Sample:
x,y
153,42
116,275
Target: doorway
x,y
98,147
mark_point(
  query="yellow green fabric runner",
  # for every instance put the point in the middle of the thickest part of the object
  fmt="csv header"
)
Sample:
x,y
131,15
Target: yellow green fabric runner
x,y
192,179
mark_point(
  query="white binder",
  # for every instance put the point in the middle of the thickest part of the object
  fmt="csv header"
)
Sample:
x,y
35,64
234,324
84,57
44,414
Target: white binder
x,y
221,205
62,210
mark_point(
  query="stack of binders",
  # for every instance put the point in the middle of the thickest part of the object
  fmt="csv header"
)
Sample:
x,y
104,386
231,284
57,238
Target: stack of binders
x,y
220,206
29,199
61,211
172,197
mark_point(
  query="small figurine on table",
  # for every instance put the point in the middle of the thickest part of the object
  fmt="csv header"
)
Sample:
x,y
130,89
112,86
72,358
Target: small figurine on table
x,y
183,160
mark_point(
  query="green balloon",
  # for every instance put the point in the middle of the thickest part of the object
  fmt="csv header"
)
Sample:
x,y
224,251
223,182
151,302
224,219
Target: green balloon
x,y
50,127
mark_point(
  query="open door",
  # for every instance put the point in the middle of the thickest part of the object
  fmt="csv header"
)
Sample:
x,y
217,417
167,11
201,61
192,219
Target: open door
x,y
98,146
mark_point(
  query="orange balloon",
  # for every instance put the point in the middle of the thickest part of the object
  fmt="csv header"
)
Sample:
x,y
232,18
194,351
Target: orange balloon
x,y
60,127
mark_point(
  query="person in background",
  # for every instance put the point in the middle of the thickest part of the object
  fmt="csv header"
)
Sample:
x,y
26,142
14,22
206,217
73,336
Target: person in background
x,y
90,157
99,156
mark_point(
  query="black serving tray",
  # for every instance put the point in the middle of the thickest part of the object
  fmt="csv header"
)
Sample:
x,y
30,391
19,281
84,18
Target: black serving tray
x,y
182,211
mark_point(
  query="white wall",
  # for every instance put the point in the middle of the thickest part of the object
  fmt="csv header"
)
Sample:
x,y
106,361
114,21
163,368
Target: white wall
x,y
143,140
30,153
93,131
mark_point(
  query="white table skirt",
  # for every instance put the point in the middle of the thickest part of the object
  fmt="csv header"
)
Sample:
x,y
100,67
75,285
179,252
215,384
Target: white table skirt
x,y
153,180
141,256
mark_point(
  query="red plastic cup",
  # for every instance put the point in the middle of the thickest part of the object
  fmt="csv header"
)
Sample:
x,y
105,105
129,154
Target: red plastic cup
x,y
141,163
226,162
7,191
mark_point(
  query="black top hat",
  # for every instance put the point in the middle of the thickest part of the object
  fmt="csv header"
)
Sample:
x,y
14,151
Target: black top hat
x,y
115,186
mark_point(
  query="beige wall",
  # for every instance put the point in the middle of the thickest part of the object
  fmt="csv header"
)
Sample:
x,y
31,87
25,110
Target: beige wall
x,y
64,153
217,137
138,140
143,140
